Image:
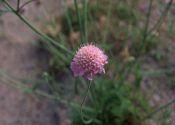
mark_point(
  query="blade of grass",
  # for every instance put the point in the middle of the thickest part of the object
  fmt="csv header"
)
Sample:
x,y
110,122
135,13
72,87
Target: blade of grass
x,y
107,21
145,34
67,14
85,6
79,20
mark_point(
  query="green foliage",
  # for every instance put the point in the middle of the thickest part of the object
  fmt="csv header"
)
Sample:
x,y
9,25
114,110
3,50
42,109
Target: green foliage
x,y
115,99
166,118
111,104
112,34
126,13
70,16
118,100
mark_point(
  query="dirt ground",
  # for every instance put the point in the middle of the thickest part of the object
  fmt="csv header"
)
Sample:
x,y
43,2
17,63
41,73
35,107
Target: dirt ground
x,y
17,56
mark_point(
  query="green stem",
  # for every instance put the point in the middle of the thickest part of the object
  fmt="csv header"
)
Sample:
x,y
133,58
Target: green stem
x,y
20,86
107,22
145,32
4,11
20,7
18,4
147,21
68,18
79,19
15,83
81,109
39,33
85,20
69,21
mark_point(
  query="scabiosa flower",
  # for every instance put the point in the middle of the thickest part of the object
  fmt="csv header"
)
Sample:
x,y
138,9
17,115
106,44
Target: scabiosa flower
x,y
89,61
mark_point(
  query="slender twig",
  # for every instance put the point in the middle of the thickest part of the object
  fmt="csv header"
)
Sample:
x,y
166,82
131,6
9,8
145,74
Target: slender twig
x,y
39,33
28,2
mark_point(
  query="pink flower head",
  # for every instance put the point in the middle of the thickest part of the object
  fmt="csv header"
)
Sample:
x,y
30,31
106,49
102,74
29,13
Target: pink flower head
x,y
89,61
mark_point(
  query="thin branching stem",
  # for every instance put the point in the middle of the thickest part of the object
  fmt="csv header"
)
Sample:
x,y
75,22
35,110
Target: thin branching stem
x,y
160,109
162,17
39,33
26,3
18,5
13,82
